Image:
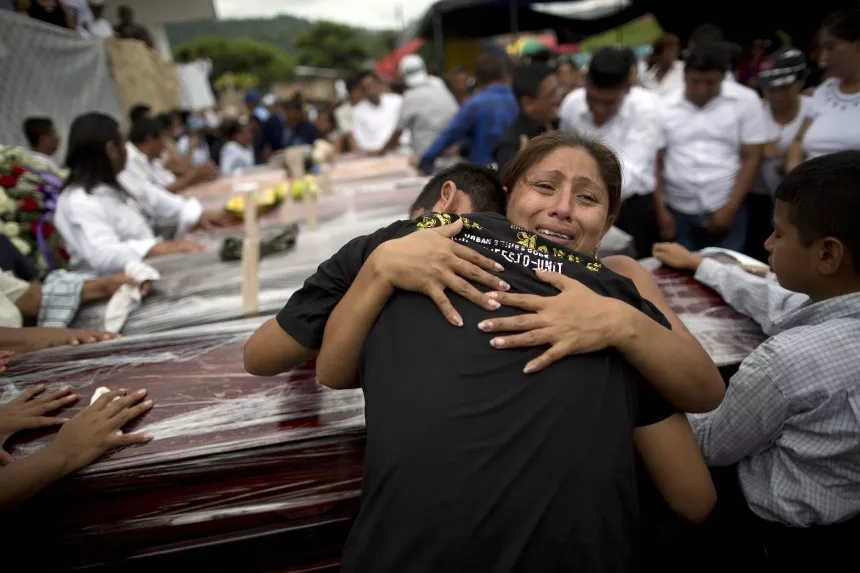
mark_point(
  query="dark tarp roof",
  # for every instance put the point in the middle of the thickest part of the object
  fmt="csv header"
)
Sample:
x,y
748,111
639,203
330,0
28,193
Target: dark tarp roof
x,y
740,20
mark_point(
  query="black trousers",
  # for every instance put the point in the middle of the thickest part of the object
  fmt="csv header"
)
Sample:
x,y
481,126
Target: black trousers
x,y
637,218
759,225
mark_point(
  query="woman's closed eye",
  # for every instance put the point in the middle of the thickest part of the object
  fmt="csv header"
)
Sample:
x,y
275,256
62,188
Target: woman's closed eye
x,y
544,186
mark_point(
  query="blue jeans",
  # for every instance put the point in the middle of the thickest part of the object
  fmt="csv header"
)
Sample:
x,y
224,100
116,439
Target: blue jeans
x,y
691,231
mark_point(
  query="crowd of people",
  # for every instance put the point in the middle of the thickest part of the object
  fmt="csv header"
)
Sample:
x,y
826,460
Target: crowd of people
x,y
522,450
87,17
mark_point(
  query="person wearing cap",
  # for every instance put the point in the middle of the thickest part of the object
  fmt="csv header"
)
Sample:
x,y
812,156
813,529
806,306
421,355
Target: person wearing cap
x,y
268,127
428,107
781,78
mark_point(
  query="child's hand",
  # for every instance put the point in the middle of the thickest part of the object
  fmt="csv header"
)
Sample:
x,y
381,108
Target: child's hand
x,y
30,411
674,255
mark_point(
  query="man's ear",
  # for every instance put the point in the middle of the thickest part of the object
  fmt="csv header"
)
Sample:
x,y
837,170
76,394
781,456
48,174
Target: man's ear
x,y
831,255
448,198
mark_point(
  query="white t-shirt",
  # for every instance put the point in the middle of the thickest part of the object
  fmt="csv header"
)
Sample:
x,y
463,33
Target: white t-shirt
x,y
101,28
770,174
372,125
673,80
234,157
835,121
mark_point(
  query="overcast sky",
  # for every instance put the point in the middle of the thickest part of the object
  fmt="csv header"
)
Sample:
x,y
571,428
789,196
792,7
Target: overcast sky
x,y
367,13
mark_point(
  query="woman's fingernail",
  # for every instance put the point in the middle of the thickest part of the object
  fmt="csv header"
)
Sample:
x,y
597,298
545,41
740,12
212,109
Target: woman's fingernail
x,y
141,392
148,403
529,369
485,325
499,267
497,342
493,304
504,286
457,320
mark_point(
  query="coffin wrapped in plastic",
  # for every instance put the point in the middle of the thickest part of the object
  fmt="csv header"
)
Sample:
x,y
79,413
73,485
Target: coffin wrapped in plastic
x,y
237,462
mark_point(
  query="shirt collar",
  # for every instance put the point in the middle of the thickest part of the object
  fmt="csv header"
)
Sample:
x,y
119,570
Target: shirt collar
x,y
845,306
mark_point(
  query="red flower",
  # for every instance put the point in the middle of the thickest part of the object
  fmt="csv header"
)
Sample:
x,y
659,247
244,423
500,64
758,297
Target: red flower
x,y
17,170
63,253
28,204
47,229
8,181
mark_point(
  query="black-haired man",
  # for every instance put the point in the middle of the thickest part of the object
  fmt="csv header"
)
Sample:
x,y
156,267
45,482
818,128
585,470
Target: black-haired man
x,y
296,334
626,118
43,138
374,118
538,92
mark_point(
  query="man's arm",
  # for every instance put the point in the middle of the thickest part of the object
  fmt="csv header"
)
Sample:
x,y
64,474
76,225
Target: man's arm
x,y
673,361
749,419
676,467
271,351
751,154
639,147
457,130
795,154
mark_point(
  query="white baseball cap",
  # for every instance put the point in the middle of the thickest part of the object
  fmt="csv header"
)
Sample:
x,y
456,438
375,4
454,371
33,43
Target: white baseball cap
x,y
413,71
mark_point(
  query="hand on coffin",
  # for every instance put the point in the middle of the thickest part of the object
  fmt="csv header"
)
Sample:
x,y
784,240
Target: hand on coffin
x,y
429,262
175,247
93,431
207,172
575,321
676,256
214,220
4,359
103,287
39,338
29,411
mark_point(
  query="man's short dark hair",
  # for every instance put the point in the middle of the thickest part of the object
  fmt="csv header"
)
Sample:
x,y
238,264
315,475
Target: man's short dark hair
x,y
528,78
609,68
706,34
144,129
707,58
480,184
824,201
35,128
353,82
138,112
490,69
365,74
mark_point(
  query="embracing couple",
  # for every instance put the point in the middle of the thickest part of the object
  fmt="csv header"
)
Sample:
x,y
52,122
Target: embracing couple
x,y
502,432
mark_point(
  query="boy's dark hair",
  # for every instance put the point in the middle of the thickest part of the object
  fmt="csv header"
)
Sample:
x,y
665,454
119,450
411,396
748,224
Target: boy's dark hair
x,y
824,201
706,34
609,68
480,184
707,58
35,128
528,78
490,69
230,129
144,129
138,112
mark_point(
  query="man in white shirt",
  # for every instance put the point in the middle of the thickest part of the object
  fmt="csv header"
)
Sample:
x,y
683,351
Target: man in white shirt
x,y
428,107
626,119
145,146
98,26
375,117
667,73
712,142
43,138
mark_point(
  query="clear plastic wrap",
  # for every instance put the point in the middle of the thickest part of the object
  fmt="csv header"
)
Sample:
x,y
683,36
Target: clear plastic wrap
x,y
233,456
727,336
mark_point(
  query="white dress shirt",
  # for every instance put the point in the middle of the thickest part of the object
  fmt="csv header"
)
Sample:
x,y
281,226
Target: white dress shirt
x,y
633,133
673,80
791,415
235,157
105,229
372,125
140,168
703,145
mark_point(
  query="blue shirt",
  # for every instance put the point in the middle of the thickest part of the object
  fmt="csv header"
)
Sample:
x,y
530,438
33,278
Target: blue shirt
x,y
271,134
483,120
305,133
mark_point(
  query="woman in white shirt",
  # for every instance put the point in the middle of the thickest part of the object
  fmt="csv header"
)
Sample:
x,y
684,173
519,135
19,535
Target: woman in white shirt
x,y
237,153
106,226
833,121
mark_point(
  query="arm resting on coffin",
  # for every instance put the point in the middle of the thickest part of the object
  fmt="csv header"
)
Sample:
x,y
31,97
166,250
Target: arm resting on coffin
x,y
676,467
271,351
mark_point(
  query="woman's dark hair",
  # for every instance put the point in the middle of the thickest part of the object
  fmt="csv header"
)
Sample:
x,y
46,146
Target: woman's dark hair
x,y
843,24
87,159
541,146
664,42
231,128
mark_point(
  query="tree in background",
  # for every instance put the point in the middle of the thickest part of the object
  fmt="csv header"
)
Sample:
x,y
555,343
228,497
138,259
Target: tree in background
x,y
331,45
241,57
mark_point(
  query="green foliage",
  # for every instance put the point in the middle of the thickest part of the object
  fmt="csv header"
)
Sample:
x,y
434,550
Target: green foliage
x,y
331,45
245,56
240,82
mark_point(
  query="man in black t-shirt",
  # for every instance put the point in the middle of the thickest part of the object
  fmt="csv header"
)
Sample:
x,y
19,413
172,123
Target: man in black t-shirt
x,y
472,465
